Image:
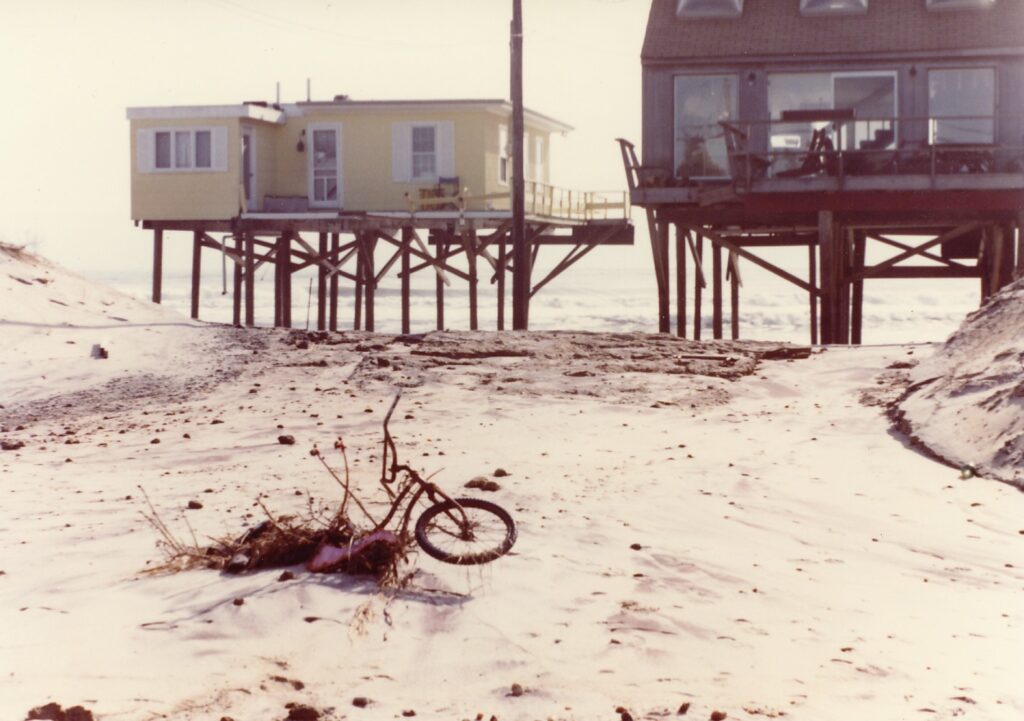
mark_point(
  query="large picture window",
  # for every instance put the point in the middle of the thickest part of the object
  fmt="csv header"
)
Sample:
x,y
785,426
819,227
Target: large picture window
x,y
961,105
701,102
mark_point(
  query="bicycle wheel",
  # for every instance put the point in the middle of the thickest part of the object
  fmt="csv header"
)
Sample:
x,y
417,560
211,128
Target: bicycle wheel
x,y
466,531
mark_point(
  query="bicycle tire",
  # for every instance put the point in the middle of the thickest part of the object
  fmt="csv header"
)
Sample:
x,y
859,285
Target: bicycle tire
x,y
426,528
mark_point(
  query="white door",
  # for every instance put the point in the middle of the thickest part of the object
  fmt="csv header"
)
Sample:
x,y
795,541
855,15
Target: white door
x,y
325,166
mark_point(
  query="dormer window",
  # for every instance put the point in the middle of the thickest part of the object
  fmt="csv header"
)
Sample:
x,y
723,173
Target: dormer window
x,y
958,4
709,8
833,7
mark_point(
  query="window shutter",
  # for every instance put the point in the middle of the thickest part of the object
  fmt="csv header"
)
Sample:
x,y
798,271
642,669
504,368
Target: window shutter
x,y
446,149
401,152
145,150
219,148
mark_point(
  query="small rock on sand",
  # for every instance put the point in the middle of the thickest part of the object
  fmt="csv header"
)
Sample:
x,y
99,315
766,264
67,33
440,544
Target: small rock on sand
x,y
500,473
484,484
360,702
517,690
298,712
286,440
194,505
718,715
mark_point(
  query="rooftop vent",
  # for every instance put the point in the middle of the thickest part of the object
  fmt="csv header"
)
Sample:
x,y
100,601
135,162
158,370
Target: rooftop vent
x,y
958,4
341,98
833,7
709,8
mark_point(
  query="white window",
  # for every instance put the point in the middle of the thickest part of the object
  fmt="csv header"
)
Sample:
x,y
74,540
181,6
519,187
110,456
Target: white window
x,y
503,153
424,152
958,4
962,105
180,149
833,7
709,8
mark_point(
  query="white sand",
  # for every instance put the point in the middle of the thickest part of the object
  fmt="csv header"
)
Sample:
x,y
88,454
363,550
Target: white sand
x,y
796,557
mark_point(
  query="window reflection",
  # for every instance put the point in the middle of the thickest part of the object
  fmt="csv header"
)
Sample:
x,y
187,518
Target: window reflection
x,y
701,101
961,105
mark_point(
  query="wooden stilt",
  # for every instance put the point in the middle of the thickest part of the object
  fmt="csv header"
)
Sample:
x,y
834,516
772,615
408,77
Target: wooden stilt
x,y
278,283
357,321
321,285
857,299
681,234
812,280
370,287
250,280
333,289
470,242
502,260
843,275
826,245
286,276
158,264
734,297
197,257
406,278
236,296
985,264
698,290
442,252
716,290
1019,271
659,250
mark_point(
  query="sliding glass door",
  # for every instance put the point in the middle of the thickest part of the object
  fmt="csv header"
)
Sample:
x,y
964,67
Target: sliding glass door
x,y
701,102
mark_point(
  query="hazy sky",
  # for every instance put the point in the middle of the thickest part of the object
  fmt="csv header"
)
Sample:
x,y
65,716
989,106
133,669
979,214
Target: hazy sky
x,y
70,68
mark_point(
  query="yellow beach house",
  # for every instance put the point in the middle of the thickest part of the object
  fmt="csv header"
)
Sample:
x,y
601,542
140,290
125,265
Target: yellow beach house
x,y
218,162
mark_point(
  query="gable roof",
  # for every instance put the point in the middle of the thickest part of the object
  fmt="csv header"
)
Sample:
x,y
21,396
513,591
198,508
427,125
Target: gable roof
x,y
777,28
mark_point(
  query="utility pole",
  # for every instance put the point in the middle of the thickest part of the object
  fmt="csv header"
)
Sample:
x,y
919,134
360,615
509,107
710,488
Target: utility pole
x,y
520,250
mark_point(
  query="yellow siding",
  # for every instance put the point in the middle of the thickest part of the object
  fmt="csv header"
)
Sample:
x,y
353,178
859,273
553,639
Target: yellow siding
x,y
205,194
366,162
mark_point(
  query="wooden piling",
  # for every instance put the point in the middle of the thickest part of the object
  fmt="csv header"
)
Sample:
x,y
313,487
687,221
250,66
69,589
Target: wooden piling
x,y
370,287
442,252
812,280
333,290
158,264
250,280
406,279
236,296
502,260
857,298
357,312
470,241
734,297
698,290
321,285
197,257
826,245
716,290
285,261
681,234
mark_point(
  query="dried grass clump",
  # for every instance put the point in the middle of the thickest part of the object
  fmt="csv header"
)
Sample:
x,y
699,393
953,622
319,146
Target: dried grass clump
x,y
289,540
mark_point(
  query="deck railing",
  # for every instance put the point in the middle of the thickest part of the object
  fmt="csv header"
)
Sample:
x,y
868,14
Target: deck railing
x,y
746,152
542,200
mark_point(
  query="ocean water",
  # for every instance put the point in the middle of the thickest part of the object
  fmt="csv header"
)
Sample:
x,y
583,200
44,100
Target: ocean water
x,y
612,289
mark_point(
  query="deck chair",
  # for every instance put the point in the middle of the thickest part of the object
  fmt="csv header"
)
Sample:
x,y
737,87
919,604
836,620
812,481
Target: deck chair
x,y
820,156
742,164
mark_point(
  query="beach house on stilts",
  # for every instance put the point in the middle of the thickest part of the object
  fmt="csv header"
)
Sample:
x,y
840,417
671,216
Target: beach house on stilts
x,y
357,190
846,127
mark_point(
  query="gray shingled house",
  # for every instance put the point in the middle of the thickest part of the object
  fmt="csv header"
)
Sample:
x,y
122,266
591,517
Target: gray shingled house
x,y
831,124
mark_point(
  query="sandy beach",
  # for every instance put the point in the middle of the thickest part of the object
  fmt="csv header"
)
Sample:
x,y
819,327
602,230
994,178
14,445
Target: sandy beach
x,y
746,536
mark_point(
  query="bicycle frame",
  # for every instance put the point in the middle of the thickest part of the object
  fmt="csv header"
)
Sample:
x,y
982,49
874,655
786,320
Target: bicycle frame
x,y
390,474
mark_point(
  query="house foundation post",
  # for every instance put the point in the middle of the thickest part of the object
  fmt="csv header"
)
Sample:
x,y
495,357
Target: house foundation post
x,y
357,311
370,286
716,290
197,259
250,279
857,299
441,252
333,320
698,289
321,284
500,275
469,241
1019,271
286,277
734,297
658,232
827,249
236,296
812,280
406,278
843,282
278,282
158,264
681,234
